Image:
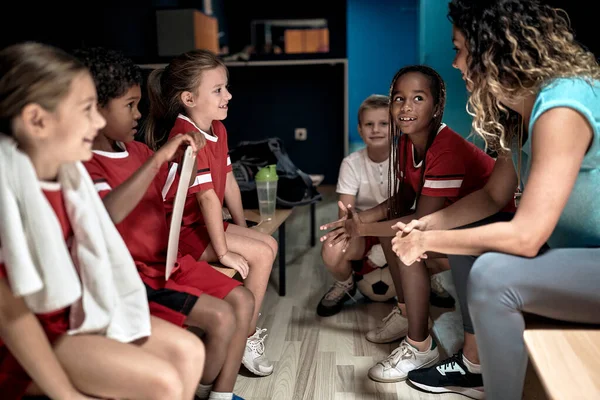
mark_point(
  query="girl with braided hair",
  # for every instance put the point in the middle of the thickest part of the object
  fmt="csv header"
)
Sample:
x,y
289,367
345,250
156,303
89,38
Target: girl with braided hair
x,y
433,167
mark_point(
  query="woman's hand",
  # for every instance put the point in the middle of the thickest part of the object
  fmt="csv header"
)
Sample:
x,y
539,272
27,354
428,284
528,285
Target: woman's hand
x,y
417,224
409,246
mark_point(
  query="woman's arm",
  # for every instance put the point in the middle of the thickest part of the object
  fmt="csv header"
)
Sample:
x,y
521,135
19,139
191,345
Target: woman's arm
x,y
494,196
26,340
233,199
560,139
426,206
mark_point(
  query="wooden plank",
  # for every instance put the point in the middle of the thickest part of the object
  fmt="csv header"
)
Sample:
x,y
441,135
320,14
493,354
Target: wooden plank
x,y
567,361
266,227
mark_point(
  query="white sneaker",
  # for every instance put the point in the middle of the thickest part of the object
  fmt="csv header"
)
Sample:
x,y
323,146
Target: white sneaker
x,y
402,360
393,327
254,355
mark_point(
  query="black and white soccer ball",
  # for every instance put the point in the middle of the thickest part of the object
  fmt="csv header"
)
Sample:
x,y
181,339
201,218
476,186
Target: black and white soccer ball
x,y
376,281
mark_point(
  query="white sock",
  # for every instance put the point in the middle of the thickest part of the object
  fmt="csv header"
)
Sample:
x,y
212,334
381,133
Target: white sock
x,y
203,391
423,346
220,396
473,368
348,282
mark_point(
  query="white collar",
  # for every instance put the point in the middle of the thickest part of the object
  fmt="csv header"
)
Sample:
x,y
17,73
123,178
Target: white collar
x,y
442,126
206,135
114,154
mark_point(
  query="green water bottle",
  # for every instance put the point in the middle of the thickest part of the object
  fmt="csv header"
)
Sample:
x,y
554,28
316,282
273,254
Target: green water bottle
x,y
266,188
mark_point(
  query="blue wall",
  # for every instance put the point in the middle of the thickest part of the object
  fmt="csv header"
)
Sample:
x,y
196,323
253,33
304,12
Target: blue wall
x,y
435,50
382,37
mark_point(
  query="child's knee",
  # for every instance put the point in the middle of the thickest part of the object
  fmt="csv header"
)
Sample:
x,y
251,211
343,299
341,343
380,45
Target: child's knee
x,y
263,254
331,255
188,350
272,243
222,320
164,382
242,301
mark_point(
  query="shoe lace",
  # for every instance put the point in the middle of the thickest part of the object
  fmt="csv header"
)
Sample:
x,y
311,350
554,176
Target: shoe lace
x,y
395,311
451,363
402,352
337,291
257,342
436,285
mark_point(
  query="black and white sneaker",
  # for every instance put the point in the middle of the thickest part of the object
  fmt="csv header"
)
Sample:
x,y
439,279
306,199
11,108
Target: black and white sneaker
x,y
333,301
449,376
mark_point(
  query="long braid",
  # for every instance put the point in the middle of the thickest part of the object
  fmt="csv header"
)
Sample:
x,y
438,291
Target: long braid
x,y
397,203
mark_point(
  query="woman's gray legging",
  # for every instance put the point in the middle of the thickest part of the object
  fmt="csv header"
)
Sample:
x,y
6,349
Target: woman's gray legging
x,y
562,284
460,266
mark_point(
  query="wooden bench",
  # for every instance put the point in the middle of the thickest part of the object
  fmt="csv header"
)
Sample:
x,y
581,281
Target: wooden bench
x,y
566,358
267,227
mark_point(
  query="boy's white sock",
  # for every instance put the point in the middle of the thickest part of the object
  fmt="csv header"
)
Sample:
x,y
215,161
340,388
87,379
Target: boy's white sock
x,y
203,391
220,396
348,282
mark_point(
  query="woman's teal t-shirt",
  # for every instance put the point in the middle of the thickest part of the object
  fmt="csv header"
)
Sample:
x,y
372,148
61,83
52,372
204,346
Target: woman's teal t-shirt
x,y
579,223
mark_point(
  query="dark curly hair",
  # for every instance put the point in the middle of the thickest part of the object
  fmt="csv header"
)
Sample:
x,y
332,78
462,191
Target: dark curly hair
x,y
113,73
515,47
397,205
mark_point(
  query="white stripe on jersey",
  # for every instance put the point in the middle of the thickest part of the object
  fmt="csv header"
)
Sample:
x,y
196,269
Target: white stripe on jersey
x,y
448,184
228,161
170,180
102,186
200,179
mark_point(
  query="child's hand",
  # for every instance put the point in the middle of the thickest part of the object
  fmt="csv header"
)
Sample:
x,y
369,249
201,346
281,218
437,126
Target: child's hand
x,y
338,223
175,147
343,229
235,261
199,139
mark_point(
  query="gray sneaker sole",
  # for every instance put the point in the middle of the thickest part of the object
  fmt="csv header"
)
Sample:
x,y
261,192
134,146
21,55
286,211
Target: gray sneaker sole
x,y
255,371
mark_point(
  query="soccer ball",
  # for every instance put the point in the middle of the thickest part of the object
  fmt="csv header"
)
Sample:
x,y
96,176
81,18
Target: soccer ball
x,y
375,281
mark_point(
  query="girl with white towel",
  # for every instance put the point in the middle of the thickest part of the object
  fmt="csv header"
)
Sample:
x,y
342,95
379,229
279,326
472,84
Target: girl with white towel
x,y
74,318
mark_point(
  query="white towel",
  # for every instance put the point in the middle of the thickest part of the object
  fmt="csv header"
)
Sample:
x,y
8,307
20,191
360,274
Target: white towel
x,y
98,279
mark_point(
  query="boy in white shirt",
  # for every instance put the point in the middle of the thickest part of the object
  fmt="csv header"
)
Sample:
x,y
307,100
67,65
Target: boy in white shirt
x,y
363,183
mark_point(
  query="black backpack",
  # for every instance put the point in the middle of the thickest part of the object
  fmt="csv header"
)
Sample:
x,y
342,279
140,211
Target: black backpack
x,y
294,187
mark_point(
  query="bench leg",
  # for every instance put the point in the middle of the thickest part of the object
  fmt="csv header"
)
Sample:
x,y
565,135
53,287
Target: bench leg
x,y
313,218
282,259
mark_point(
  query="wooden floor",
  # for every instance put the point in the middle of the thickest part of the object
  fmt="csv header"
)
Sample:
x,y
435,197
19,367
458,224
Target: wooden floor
x,y
328,358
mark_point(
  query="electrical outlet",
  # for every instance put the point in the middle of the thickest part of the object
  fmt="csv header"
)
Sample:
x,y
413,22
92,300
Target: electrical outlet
x,y
300,134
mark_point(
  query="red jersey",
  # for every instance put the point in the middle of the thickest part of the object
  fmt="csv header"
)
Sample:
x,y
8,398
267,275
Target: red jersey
x,y
454,167
144,230
146,233
213,165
